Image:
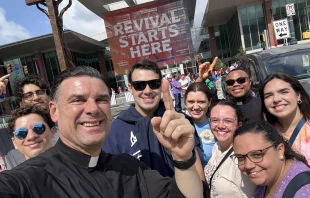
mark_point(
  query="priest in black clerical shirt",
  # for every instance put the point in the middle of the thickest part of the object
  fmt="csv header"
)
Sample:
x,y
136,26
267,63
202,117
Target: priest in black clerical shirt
x,y
76,166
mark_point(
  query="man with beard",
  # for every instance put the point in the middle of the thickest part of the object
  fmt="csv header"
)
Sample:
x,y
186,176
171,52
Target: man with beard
x,y
32,91
132,133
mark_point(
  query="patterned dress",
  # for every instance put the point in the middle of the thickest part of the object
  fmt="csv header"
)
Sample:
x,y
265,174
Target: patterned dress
x,y
296,168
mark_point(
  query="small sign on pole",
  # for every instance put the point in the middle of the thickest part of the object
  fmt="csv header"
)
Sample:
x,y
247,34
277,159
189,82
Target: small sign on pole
x,y
281,29
290,9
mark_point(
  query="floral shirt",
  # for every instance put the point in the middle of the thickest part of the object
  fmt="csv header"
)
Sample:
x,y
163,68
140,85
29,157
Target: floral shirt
x,y
302,141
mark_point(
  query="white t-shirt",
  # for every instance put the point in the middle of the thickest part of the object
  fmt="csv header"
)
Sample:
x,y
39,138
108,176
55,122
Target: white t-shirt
x,y
183,82
228,181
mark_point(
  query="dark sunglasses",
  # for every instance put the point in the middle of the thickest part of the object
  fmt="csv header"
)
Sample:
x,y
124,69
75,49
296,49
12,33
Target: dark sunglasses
x,y
140,85
239,80
21,133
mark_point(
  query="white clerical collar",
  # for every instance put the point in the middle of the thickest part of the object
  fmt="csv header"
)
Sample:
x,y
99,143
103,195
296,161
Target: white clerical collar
x,y
93,162
239,103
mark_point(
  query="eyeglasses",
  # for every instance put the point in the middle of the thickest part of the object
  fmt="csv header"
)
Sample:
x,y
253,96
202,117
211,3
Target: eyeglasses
x,y
239,80
227,121
21,133
254,156
29,95
140,85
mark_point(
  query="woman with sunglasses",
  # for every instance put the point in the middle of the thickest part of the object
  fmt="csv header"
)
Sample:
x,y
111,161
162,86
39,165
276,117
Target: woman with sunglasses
x,y
30,128
222,174
197,99
266,158
286,105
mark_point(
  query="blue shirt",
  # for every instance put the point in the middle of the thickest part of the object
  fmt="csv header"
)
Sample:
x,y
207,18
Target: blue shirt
x,y
207,138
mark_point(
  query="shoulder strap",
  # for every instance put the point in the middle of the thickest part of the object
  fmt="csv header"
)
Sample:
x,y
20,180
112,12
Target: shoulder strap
x,y
296,183
296,130
218,166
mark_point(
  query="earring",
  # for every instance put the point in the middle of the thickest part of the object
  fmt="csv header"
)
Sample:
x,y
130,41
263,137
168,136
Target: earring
x,y
299,102
281,157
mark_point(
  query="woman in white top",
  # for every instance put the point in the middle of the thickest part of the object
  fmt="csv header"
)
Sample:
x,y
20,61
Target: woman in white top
x,y
222,174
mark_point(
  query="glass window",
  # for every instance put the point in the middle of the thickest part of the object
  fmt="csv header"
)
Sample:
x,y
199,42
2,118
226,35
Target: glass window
x,y
251,12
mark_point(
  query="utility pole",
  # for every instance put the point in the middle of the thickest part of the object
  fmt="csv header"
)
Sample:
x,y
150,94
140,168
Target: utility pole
x,y
56,19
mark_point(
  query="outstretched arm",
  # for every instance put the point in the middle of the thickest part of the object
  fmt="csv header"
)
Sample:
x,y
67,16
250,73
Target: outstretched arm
x,y
3,82
176,133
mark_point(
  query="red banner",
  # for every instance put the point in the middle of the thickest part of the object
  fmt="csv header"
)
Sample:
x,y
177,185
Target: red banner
x,y
158,30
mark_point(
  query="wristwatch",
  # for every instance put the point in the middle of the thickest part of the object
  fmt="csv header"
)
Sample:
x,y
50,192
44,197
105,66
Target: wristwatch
x,y
184,165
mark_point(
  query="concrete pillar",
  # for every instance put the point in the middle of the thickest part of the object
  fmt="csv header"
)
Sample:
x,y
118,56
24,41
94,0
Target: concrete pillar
x,y
269,22
41,66
102,66
212,42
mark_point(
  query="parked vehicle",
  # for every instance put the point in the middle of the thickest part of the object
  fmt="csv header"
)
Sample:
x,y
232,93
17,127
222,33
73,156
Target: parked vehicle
x,y
293,60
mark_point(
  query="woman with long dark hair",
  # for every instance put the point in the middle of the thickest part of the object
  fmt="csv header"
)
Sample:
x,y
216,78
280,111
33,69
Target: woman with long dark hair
x,y
266,158
286,105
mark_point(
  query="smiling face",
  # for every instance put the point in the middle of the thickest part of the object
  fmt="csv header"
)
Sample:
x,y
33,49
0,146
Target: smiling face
x,y
83,113
266,172
222,132
38,100
238,91
34,143
147,100
197,105
280,99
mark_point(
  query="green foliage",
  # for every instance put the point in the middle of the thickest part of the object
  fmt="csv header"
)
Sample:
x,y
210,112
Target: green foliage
x,y
220,64
241,53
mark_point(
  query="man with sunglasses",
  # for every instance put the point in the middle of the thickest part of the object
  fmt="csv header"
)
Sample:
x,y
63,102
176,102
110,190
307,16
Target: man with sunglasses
x,y
30,129
131,132
32,91
77,167
238,87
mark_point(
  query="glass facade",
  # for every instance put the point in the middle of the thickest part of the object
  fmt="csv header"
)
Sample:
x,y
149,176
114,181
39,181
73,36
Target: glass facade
x,y
80,59
29,61
253,24
51,65
301,19
234,38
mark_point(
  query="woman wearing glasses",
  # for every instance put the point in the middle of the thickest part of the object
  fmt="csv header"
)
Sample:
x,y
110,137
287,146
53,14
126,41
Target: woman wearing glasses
x,y
197,99
222,174
30,128
286,106
266,158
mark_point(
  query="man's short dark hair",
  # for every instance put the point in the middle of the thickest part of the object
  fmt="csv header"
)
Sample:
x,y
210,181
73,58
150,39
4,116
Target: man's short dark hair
x,y
35,80
240,69
27,110
144,64
81,71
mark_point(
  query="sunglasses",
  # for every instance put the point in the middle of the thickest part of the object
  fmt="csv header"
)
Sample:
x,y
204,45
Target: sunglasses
x,y
140,85
239,80
21,133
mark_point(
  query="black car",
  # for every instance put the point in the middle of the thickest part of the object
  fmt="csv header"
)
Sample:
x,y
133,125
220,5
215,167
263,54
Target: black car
x,y
293,60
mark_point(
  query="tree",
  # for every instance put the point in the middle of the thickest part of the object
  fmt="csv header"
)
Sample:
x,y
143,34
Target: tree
x,y
241,53
220,64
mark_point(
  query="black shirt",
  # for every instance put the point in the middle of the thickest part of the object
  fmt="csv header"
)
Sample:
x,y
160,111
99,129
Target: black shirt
x,y
64,172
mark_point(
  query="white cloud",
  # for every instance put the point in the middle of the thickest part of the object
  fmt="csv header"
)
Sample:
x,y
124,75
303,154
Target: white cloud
x,y
11,31
201,6
78,18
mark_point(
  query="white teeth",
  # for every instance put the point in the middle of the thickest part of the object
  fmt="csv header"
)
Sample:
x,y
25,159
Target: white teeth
x,y
91,124
279,107
222,133
254,173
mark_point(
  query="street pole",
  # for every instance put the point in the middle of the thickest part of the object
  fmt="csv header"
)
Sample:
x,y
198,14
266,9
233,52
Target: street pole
x,y
56,20
292,40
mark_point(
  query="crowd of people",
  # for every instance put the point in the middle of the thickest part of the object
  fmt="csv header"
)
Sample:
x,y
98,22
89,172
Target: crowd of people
x,y
243,146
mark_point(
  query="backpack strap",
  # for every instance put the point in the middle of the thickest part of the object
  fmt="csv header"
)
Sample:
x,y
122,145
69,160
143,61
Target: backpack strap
x,y
296,183
296,130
